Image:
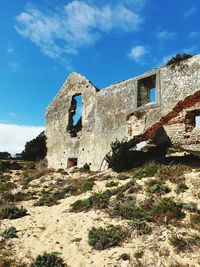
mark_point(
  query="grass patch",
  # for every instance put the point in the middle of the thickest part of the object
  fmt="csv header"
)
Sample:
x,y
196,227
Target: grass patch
x,y
87,185
102,238
9,233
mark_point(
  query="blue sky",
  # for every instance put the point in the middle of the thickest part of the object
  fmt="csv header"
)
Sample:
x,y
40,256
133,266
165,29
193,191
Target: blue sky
x,y
106,41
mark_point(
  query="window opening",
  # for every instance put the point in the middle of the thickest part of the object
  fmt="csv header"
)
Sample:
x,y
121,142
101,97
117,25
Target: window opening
x,y
71,162
146,90
75,115
192,120
197,121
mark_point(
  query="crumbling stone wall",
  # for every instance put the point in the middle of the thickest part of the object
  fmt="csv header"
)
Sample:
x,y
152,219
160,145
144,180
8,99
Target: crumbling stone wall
x,y
114,113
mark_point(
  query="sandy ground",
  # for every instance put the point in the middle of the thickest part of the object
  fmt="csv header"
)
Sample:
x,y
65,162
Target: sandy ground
x,y
55,229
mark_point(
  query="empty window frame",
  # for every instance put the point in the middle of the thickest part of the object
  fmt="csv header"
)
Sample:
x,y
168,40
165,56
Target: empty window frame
x,y
75,115
146,90
192,120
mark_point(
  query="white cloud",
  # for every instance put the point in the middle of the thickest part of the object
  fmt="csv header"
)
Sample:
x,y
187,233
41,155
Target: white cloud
x,y
10,50
14,66
137,52
165,35
75,25
194,35
14,137
191,11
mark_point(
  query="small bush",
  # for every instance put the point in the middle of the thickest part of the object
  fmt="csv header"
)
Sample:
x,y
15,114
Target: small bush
x,y
166,210
121,158
198,195
12,212
97,201
147,171
6,186
19,196
85,168
195,220
157,186
9,233
141,226
139,254
175,60
173,173
181,187
87,185
129,210
48,260
124,257
111,184
102,238
178,242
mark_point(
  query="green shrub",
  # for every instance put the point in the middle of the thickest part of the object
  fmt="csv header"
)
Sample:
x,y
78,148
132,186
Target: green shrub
x,y
139,254
87,185
147,171
19,196
181,187
129,210
85,168
102,238
97,201
82,205
166,210
111,184
9,233
157,186
6,186
198,195
124,257
141,226
12,212
121,156
173,173
48,260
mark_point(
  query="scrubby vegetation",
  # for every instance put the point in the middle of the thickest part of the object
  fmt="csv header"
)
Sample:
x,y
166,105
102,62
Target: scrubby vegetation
x,y
12,212
48,260
102,238
9,233
175,60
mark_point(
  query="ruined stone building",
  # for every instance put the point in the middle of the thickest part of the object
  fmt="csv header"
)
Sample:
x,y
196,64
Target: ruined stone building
x,y
167,97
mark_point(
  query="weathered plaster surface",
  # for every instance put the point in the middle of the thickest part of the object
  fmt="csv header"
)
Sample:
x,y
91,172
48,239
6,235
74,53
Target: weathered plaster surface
x,y
112,113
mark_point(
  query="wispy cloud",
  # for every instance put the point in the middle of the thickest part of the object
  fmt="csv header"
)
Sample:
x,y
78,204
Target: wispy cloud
x,y
165,35
14,66
138,52
190,12
194,35
12,114
78,24
14,137
10,50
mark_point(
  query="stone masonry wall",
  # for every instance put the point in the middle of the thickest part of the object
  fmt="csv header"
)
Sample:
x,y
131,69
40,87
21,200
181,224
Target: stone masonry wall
x,y
113,113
